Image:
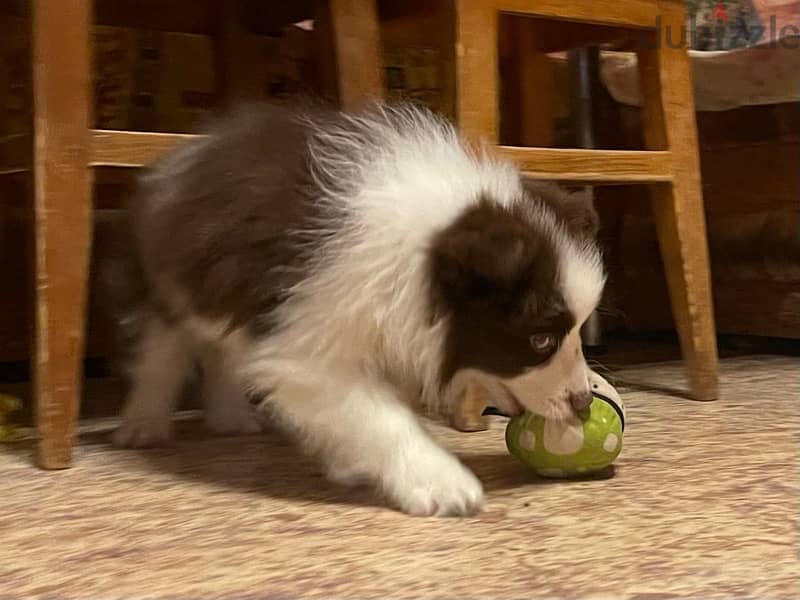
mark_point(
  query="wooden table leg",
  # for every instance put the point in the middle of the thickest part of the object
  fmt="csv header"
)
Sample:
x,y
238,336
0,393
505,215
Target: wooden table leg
x,y
669,123
62,209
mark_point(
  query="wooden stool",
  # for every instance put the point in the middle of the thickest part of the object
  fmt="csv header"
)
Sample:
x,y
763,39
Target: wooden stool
x,y
66,148
670,165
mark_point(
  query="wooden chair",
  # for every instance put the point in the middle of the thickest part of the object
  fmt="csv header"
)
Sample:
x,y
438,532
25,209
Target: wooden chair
x,y
670,165
65,148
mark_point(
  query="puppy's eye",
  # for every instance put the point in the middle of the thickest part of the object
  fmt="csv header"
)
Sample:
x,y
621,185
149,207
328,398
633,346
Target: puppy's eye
x,y
543,342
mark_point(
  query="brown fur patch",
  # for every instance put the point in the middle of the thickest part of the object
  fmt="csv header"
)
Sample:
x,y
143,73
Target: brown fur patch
x,y
494,275
574,209
231,222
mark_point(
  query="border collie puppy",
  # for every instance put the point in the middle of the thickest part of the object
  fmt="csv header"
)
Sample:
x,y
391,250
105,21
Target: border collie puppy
x,y
346,267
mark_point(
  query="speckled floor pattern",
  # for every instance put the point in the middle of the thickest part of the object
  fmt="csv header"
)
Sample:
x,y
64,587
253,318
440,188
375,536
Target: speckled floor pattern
x,y
703,504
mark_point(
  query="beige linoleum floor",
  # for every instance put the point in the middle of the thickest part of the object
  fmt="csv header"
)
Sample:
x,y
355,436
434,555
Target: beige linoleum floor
x,y
704,504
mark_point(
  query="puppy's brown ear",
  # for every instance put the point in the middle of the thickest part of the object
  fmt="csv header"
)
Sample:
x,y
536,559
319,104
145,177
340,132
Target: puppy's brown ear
x,y
580,215
488,251
575,209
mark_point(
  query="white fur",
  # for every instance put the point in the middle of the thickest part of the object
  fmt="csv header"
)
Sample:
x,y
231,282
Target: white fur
x,y
582,278
364,432
354,339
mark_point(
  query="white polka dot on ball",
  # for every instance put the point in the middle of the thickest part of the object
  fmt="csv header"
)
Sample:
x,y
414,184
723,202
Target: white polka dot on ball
x,y
527,440
611,442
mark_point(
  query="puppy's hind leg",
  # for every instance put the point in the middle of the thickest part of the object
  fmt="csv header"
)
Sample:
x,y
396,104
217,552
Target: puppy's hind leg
x,y
161,363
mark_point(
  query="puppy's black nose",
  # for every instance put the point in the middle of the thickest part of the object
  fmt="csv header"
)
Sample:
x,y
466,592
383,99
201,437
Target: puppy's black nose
x,y
580,400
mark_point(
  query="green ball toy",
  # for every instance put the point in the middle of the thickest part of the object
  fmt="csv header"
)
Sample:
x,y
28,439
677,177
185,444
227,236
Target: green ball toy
x,y
584,444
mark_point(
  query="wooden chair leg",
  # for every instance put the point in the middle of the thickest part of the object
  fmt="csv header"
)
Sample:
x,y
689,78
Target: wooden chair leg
x,y
351,31
62,212
477,86
669,123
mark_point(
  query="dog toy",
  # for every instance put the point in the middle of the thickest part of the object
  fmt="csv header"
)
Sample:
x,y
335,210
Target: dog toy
x,y
586,443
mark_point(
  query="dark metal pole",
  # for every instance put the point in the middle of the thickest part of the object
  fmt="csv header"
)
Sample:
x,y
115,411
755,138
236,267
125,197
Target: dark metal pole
x,y
584,76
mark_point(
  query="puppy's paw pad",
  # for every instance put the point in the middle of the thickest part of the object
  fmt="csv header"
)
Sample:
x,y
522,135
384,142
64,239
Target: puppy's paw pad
x,y
143,433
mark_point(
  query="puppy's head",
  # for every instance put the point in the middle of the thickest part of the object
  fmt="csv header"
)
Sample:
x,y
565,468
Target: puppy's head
x,y
516,283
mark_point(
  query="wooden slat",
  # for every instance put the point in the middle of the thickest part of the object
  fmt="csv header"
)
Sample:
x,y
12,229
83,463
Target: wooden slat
x,y
591,165
15,153
630,13
131,148
62,208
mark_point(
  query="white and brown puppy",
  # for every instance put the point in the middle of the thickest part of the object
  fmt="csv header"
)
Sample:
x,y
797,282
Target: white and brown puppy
x,y
343,267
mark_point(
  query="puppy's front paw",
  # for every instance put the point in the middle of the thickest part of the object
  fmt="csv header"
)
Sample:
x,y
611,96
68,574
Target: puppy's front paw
x,y
436,484
143,433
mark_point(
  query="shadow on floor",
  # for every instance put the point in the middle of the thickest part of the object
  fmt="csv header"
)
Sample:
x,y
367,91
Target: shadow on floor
x,y
272,466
